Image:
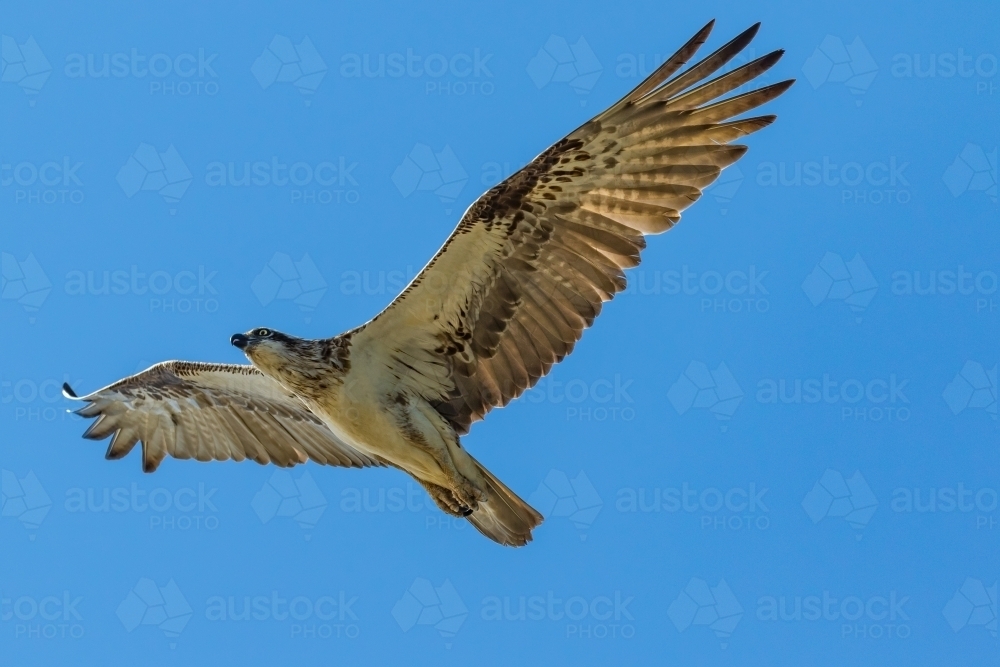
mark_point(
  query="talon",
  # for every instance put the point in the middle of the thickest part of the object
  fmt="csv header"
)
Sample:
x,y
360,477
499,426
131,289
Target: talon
x,y
469,496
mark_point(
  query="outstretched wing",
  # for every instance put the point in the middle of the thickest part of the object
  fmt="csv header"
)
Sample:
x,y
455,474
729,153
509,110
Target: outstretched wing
x,y
211,412
533,259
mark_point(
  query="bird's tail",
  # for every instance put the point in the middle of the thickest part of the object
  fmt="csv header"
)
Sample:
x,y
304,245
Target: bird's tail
x,y
504,518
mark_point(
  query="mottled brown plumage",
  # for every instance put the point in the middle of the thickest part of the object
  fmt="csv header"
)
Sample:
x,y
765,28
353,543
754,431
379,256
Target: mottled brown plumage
x,y
534,258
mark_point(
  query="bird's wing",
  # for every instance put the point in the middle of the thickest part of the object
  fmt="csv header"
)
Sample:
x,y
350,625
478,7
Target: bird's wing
x,y
532,260
211,412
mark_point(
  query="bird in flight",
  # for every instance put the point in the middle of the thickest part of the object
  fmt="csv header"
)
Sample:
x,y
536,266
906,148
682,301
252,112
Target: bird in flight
x,y
507,296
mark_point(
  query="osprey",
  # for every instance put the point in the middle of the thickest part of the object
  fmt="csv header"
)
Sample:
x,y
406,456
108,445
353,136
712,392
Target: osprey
x,y
507,296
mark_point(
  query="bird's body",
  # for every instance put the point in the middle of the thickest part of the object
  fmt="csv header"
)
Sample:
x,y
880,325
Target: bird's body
x,y
507,296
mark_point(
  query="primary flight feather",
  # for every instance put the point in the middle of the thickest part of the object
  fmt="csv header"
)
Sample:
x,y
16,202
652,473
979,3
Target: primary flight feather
x,y
507,296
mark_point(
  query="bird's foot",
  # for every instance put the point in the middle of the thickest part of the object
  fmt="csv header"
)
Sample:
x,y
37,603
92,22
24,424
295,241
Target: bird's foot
x,y
468,494
446,500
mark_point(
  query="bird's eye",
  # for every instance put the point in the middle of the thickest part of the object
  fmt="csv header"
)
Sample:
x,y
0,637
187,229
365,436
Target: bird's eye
x,y
263,333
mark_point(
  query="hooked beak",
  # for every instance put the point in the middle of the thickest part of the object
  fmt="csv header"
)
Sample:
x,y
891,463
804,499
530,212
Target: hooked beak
x,y
240,340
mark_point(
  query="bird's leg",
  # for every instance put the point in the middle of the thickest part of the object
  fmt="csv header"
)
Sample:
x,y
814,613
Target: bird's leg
x,y
464,485
458,488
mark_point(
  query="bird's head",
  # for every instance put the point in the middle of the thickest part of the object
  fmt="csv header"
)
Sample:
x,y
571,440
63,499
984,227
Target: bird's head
x,y
267,349
296,363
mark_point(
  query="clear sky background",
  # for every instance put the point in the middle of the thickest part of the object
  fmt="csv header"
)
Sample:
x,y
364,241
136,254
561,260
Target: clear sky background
x,y
779,447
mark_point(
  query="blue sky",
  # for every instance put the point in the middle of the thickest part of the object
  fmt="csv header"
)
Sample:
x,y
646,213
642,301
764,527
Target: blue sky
x,y
778,447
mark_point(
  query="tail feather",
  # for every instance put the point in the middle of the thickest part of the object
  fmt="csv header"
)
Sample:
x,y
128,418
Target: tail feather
x,y
504,517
